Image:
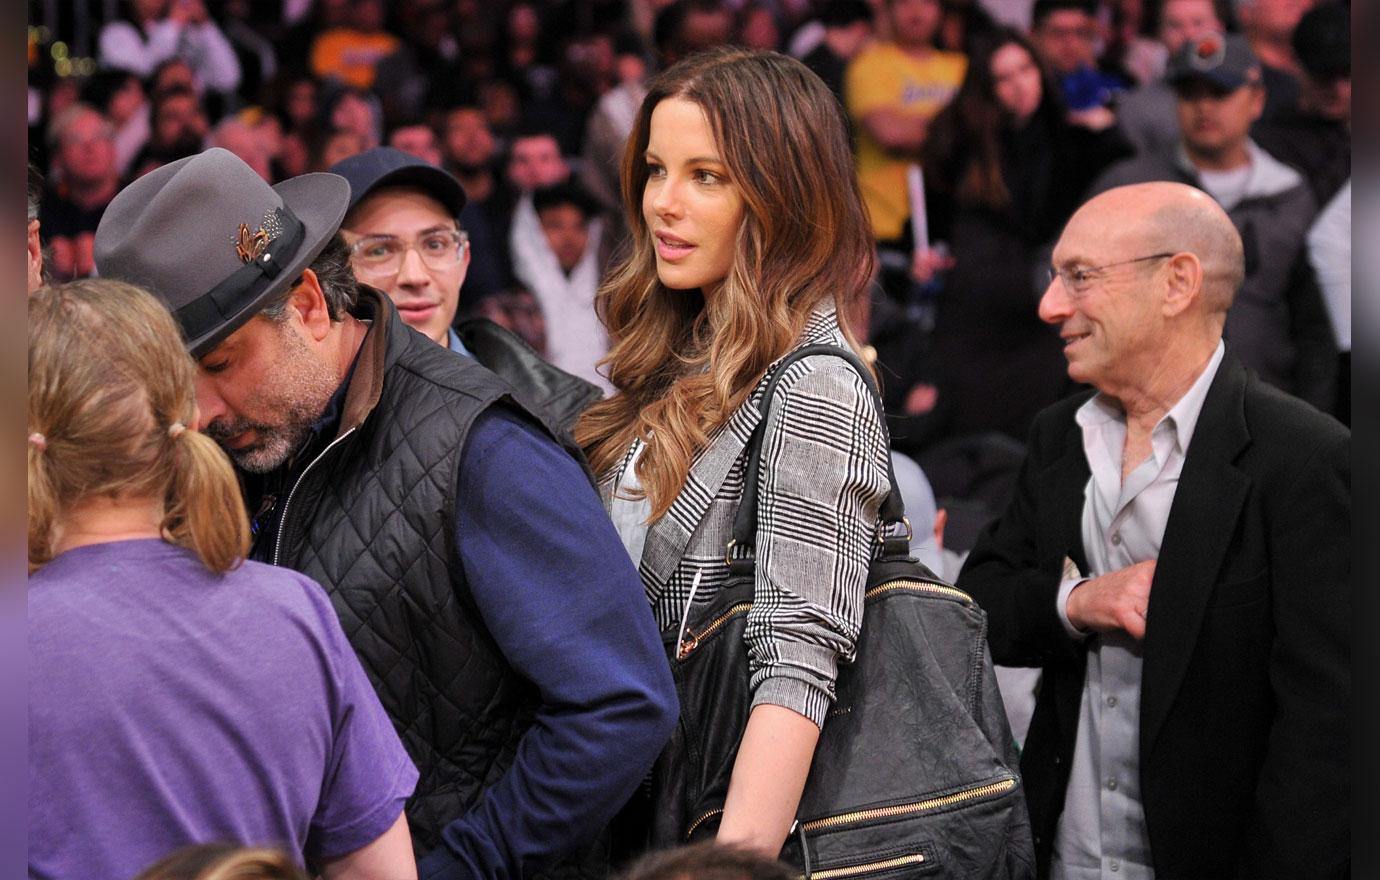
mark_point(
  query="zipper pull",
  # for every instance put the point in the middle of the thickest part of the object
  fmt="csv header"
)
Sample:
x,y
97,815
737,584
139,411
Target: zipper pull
x,y
686,647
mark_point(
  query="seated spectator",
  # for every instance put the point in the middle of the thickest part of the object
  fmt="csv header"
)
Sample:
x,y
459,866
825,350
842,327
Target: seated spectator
x,y
179,693
1277,324
333,145
350,53
356,110
119,96
562,267
847,27
1314,137
424,70
178,126
292,100
245,141
223,861
416,139
894,89
152,31
1006,169
83,180
468,150
1268,26
1065,31
1148,115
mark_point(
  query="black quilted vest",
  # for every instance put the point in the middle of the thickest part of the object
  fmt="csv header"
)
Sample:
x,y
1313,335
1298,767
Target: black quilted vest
x,y
372,518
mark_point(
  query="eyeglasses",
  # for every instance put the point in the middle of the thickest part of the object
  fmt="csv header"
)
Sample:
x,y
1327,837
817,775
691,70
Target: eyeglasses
x,y
382,255
1078,281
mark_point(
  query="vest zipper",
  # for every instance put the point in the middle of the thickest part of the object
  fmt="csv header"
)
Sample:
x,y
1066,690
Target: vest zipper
x,y
868,868
287,503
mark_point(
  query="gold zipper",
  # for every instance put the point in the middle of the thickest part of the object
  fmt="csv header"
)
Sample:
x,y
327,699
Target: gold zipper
x,y
951,592
695,825
898,810
855,870
692,640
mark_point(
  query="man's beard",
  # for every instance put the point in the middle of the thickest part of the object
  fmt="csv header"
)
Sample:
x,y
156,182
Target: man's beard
x,y
302,389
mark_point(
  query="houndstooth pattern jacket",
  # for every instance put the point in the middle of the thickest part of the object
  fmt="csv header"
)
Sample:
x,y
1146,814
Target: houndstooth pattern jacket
x,y
822,482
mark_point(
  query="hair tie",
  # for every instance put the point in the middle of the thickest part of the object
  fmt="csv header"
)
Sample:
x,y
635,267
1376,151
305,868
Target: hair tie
x,y
175,430
38,441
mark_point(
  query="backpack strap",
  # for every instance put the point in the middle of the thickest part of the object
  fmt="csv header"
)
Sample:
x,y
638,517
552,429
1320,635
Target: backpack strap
x,y
892,513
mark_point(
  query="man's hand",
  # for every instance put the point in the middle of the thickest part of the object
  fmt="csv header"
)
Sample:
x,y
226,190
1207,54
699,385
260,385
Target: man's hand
x,y
1113,601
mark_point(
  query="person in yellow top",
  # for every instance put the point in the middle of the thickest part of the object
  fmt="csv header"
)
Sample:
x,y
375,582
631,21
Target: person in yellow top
x,y
892,90
352,53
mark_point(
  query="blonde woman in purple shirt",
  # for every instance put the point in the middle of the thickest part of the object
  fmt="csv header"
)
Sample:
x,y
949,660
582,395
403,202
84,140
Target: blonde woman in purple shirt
x,y
178,694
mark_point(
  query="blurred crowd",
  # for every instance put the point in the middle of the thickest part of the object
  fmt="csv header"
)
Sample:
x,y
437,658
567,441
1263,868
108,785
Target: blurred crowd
x,y
978,125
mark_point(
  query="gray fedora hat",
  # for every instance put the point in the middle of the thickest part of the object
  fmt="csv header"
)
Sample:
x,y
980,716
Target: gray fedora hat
x,y
214,242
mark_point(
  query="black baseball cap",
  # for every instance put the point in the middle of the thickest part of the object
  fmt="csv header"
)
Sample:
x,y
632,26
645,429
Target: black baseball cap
x,y
387,166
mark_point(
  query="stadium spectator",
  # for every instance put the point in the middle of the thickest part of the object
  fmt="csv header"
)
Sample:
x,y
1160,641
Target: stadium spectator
x,y
1067,36
1314,137
350,53
416,139
83,180
178,126
894,89
1148,114
153,31
1277,324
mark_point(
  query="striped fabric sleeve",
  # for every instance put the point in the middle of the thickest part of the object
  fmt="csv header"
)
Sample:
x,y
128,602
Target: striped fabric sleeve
x,y
822,482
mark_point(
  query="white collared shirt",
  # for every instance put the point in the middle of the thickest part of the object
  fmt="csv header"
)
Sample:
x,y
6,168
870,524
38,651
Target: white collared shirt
x,y
1101,833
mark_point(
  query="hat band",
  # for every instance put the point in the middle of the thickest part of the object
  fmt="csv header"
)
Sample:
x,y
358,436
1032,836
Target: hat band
x,y
243,286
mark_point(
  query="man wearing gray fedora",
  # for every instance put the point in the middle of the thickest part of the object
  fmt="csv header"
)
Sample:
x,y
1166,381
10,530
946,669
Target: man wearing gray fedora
x,y
465,551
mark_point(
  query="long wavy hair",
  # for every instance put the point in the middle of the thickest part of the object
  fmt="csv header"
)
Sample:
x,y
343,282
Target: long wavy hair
x,y
112,397
682,365
963,151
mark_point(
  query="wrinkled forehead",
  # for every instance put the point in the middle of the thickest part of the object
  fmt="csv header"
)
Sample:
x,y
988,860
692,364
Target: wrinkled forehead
x,y
1101,230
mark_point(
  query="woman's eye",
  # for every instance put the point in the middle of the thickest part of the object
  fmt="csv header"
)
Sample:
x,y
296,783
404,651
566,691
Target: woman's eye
x,y
706,177
655,170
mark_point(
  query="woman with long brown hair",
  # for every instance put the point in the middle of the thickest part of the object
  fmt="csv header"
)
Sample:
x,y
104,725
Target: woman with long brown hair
x,y
177,693
1005,167
748,240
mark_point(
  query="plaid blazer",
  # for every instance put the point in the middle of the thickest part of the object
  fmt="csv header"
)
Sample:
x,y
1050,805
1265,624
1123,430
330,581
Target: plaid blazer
x,y
823,479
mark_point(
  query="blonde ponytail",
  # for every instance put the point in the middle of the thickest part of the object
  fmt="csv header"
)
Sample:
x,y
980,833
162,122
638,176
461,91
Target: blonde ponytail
x,y
204,509
111,390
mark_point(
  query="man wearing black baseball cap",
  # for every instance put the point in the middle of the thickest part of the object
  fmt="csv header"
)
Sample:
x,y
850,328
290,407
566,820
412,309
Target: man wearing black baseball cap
x,y
485,591
1277,324
405,238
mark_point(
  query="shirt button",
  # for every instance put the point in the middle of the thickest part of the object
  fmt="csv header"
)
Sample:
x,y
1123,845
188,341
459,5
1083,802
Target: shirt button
x,y
1111,701
1114,865
1111,785
1116,538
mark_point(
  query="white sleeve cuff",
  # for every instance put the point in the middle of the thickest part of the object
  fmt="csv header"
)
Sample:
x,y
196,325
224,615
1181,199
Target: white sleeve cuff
x,y
1061,604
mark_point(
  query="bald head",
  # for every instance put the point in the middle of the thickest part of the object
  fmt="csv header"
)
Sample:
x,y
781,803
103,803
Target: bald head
x,y
1174,218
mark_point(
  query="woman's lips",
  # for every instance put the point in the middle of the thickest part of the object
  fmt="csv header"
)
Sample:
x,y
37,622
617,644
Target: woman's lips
x,y
670,248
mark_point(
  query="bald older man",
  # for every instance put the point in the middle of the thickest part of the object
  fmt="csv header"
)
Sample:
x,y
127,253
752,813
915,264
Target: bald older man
x,y
1177,559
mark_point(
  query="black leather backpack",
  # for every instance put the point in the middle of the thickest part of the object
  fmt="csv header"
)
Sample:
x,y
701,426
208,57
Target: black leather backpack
x,y
915,773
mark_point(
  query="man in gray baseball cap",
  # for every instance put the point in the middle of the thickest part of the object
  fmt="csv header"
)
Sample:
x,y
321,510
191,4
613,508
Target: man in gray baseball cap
x,y
461,545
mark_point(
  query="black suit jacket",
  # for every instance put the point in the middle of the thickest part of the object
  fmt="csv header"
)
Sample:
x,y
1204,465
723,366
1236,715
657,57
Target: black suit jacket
x,y
1246,682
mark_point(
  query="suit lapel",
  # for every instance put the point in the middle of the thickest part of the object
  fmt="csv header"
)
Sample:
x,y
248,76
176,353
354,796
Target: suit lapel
x,y
1202,521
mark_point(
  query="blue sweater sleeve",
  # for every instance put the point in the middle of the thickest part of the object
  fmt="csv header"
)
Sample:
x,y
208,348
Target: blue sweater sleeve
x,y
565,605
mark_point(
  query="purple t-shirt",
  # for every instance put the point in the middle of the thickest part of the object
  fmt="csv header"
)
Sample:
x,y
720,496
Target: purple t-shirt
x,y
169,706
